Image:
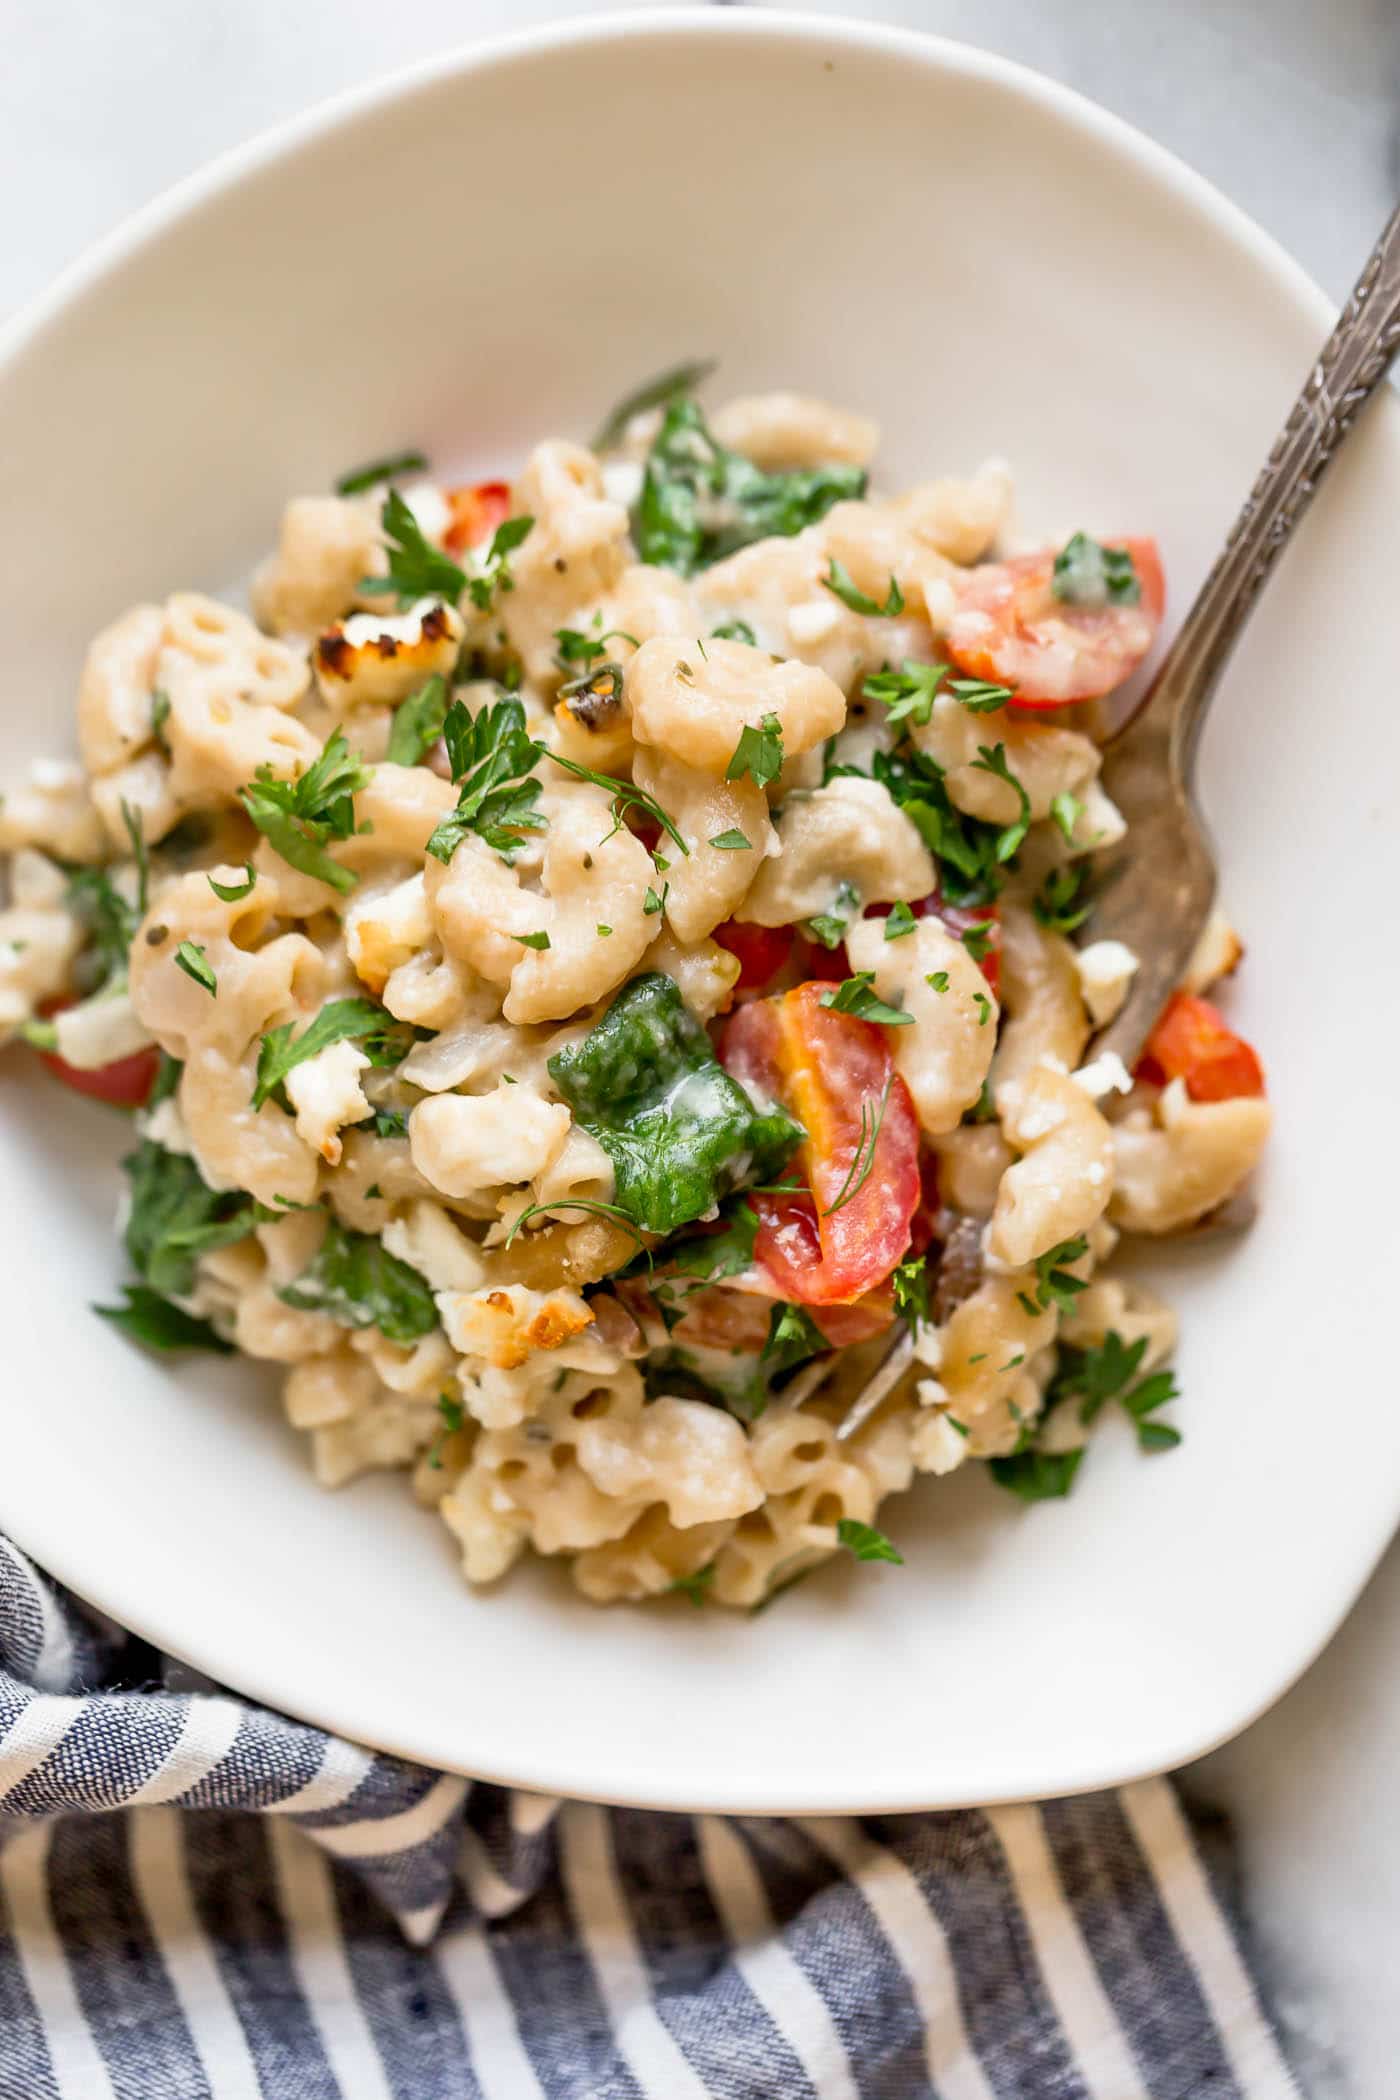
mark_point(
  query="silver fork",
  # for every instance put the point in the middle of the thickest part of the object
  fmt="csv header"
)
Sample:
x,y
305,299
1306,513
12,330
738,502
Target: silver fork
x,y
1157,886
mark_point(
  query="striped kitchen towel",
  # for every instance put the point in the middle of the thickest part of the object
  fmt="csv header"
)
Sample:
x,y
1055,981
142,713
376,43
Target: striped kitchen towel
x,y
201,1898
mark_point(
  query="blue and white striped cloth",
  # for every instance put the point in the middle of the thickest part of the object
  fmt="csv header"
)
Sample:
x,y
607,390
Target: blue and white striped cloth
x,y
201,1898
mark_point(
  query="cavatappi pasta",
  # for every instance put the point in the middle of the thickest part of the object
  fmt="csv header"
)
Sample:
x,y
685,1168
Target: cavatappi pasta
x,y
584,950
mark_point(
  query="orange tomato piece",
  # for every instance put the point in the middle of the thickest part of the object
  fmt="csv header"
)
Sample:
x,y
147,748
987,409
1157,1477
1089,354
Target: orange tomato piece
x,y
1010,627
840,1237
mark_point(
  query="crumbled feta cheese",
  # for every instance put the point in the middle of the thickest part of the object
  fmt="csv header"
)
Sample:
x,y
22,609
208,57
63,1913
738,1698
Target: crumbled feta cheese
x,y
1106,1074
622,481
165,1126
384,931
1106,969
433,1243
1216,954
325,1091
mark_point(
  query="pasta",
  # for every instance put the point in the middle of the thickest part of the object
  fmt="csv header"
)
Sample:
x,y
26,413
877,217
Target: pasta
x,y
591,958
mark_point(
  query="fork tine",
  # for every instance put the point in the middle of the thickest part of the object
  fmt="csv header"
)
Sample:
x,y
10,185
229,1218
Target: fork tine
x,y
893,1365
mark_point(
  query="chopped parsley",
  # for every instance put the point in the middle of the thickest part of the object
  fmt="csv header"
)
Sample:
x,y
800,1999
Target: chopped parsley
x,y
971,855
993,760
840,582
418,723
494,574
1059,902
734,631
908,694
384,1041
731,842
231,892
653,393
854,996
361,478
160,715
911,1290
937,980
830,927
300,817
538,940
984,1008
653,903
793,1337
1037,1476
1109,1372
865,1542
1089,574
575,647
602,931
900,921
1054,1285
977,939
759,753
492,760
191,958
1066,810
417,569
694,1586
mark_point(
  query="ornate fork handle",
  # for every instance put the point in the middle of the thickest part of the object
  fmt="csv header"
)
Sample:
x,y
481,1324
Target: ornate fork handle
x,y
1352,364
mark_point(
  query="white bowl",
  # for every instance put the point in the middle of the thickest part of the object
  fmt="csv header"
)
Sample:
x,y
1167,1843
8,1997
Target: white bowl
x,y
493,248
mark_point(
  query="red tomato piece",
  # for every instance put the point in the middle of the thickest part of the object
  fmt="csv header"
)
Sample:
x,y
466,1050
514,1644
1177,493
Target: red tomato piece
x,y
126,1083
1192,1042
840,1238
1011,628
762,950
477,507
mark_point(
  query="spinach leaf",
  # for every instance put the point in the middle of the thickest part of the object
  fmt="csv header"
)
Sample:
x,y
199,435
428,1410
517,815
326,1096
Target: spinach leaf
x,y
1037,1476
360,1284
175,1216
645,1082
700,501
149,1318
970,854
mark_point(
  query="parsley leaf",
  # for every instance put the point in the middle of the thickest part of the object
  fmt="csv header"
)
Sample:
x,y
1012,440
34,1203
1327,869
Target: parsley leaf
x,y
700,502
1054,1284
151,1319
911,1290
734,631
492,758
298,817
899,922
361,478
538,940
574,647
418,723
731,842
1058,902
417,569
840,582
360,1284
1097,1375
339,1021
1037,1476
1067,809
230,892
191,958
854,996
495,573
967,850
694,1586
1090,574
681,1134
909,693
793,1337
865,1542
108,919
652,393
993,760
759,753
977,939
830,927
937,980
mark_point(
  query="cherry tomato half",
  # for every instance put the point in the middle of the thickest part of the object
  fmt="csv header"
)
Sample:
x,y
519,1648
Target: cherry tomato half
x,y
1192,1042
125,1083
1011,628
841,1237
478,507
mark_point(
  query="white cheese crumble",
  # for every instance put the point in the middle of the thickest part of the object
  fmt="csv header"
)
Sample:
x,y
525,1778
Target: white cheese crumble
x,y
1106,969
1106,1074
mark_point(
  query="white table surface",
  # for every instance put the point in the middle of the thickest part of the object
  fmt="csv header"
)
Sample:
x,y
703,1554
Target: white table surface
x,y
1293,108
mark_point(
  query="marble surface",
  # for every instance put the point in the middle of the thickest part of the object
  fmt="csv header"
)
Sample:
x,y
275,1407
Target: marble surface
x,y
1293,108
